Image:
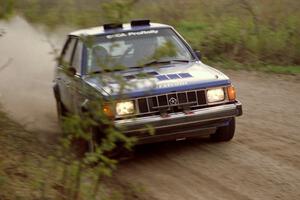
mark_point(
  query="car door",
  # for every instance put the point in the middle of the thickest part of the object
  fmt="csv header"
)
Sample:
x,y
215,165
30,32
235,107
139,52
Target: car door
x,y
65,80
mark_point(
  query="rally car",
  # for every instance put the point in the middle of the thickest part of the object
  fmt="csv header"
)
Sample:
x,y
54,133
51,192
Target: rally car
x,y
180,97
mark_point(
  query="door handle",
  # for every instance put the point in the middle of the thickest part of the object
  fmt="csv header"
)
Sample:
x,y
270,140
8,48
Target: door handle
x,y
68,83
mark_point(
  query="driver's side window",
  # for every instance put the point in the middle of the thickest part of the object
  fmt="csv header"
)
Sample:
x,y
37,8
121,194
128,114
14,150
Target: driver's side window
x,y
77,58
68,52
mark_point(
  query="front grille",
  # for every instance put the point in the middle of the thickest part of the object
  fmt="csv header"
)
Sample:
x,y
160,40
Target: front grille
x,y
171,101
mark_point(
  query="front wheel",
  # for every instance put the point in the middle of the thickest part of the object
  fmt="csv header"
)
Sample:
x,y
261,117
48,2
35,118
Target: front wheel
x,y
225,133
61,110
82,146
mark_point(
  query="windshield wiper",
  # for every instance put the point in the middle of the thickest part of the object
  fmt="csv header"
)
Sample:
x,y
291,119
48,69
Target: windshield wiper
x,y
155,62
180,60
107,70
152,62
166,61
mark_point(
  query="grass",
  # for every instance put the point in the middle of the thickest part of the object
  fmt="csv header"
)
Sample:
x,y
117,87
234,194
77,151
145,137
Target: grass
x,y
21,156
29,169
245,31
276,69
294,70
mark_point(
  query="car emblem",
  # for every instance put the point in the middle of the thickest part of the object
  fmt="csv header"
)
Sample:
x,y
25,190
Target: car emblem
x,y
172,101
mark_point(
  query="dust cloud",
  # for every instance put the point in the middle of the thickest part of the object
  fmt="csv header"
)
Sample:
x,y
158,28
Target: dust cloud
x,y
26,73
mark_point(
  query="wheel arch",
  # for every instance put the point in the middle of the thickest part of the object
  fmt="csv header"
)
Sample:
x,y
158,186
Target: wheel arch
x,y
56,92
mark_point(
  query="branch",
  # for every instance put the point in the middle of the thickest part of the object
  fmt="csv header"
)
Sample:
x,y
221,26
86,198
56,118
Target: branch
x,y
54,50
8,62
247,6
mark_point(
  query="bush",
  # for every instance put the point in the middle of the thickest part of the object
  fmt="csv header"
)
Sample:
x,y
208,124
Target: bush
x,y
246,31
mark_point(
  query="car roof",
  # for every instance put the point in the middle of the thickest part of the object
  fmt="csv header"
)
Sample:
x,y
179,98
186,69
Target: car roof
x,y
126,27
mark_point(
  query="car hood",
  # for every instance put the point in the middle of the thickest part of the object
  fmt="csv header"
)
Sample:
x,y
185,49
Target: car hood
x,y
171,78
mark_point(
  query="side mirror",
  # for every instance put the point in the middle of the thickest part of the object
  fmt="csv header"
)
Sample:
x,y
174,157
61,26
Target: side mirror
x,y
71,71
198,54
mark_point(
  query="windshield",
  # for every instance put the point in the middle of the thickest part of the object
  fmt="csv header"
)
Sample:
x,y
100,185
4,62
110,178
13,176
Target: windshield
x,y
135,49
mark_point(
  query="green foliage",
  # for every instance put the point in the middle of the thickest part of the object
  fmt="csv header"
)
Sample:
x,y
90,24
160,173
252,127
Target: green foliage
x,y
6,8
166,50
257,32
2,180
90,137
82,158
277,69
117,10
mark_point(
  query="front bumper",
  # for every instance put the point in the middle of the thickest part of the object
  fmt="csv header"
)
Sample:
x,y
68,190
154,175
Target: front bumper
x,y
180,125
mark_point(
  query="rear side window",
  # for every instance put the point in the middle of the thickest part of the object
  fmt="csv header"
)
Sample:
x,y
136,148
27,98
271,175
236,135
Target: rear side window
x,y
68,52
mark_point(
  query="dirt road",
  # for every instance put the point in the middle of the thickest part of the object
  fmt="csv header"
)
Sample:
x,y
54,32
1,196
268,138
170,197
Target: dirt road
x,y
262,162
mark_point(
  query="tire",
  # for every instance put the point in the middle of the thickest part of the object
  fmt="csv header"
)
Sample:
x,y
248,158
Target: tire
x,y
61,110
89,146
225,133
97,138
81,146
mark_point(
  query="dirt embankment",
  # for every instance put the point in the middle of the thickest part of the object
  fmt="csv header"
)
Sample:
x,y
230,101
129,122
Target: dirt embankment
x,y
262,162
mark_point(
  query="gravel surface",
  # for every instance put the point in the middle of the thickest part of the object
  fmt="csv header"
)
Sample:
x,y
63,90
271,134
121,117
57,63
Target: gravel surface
x,y
261,162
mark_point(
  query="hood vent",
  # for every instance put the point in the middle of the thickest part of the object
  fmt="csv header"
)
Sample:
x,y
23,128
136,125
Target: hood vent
x,y
152,73
162,78
173,76
185,75
133,76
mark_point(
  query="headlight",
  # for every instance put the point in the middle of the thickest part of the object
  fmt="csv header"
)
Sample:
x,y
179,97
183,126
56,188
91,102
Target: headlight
x,y
215,95
125,108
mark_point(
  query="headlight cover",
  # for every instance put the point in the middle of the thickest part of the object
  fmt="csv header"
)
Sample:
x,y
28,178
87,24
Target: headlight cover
x,y
231,93
124,108
215,95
